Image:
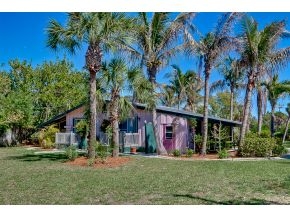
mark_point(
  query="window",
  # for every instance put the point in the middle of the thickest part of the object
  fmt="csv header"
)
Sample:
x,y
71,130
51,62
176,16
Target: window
x,y
168,132
129,125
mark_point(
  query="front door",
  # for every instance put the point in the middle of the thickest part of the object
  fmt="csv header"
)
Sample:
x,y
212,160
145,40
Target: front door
x,y
168,137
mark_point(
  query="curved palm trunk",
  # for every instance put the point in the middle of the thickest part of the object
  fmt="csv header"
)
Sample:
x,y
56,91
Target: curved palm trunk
x,y
260,109
160,148
205,112
273,105
286,130
246,113
93,64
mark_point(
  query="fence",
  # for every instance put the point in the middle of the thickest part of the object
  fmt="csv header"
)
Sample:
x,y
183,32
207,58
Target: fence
x,y
66,138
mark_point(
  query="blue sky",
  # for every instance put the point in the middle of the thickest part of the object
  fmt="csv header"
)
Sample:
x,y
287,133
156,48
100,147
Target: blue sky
x,y
22,36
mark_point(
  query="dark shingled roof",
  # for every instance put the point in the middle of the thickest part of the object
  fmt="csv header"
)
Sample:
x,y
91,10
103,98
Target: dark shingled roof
x,y
162,109
188,114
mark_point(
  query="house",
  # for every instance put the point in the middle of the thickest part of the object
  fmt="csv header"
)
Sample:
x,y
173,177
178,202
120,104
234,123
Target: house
x,y
173,126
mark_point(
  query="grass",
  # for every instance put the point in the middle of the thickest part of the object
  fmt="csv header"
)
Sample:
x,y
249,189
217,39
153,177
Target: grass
x,y
27,178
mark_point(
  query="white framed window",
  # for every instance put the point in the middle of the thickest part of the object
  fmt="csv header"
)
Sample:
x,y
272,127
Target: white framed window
x,y
168,132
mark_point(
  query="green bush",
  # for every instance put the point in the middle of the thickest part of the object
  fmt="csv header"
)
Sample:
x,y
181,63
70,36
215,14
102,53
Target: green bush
x,y
256,146
265,133
189,152
176,153
46,136
140,149
71,152
223,154
102,151
279,150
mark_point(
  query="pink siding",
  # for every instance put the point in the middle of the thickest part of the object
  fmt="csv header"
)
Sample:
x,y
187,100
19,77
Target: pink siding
x,y
180,130
78,113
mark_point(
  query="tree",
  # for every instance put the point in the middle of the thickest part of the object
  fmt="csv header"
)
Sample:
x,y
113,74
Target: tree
x,y
101,32
257,57
287,124
157,40
115,77
275,90
211,47
233,76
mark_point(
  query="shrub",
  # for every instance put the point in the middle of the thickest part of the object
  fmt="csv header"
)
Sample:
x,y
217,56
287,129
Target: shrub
x,y
46,136
91,162
222,154
176,153
256,146
71,152
82,128
279,150
102,151
140,149
265,133
189,152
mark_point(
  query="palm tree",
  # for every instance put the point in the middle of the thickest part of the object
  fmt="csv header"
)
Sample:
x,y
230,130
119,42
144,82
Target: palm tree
x,y
101,32
167,97
115,76
287,124
232,78
157,40
181,87
276,90
211,47
257,57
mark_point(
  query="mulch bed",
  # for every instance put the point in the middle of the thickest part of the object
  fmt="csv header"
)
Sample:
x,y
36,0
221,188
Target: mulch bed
x,y
111,162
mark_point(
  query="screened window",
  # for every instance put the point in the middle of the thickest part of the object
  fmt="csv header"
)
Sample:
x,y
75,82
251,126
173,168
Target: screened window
x,y
168,132
129,125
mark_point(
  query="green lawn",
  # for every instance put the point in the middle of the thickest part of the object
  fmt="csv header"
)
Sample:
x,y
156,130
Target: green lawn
x,y
44,179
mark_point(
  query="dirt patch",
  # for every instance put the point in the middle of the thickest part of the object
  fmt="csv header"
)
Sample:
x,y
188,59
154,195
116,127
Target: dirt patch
x,y
110,162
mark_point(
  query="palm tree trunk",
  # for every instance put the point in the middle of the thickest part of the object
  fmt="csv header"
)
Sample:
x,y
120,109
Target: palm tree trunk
x,y
273,105
260,109
160,148
114,119
205,111
93,115
232,113
246,113
93,64
286,130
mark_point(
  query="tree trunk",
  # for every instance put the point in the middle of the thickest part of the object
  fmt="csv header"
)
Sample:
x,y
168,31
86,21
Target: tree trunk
x,y
260,103
93,64
160,148
205,111
286,130
232,113
114,118
246,113
273,105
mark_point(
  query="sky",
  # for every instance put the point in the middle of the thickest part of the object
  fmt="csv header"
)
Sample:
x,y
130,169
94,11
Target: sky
x,y
23,36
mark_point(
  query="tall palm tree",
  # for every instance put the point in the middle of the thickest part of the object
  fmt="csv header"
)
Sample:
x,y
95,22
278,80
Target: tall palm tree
x,y
287,124
233,76
276,90
211,48
181,86
115,76
157,42
259,55
101,32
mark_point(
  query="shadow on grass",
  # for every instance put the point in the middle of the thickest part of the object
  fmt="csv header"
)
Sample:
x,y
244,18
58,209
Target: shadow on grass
x,y
59,157
252,201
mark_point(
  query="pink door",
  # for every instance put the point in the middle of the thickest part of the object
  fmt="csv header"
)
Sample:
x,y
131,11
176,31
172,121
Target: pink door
x,y
168,137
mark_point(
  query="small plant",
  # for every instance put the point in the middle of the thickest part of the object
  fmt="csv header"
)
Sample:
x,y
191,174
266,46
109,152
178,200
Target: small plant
x,y
189,152
102,151
82,128
176,153
279,150
71,153
91,162
223,154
